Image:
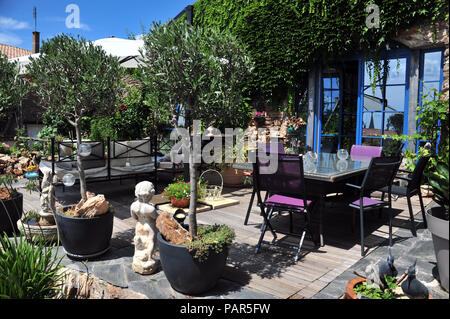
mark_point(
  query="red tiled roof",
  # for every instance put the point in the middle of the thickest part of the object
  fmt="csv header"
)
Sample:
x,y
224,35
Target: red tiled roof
x,y
13,52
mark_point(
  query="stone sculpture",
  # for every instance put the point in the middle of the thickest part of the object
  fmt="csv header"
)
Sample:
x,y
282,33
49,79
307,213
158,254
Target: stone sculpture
x,y
145,241
47,199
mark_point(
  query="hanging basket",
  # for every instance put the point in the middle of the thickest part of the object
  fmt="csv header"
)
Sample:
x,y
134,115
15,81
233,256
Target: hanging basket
x,y
213,188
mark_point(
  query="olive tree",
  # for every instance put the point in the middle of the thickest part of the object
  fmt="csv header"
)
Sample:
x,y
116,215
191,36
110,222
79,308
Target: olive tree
x,y
11,87
204,71
76,79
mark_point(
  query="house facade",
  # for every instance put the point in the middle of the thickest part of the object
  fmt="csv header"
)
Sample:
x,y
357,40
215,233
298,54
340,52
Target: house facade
x,y
345,106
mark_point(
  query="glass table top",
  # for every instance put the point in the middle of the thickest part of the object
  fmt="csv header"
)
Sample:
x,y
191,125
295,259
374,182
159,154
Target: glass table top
x,y
327,167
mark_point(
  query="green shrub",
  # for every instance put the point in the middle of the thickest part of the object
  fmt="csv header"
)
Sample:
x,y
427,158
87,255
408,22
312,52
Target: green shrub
x,y
28,270
438,179
211,238
377,293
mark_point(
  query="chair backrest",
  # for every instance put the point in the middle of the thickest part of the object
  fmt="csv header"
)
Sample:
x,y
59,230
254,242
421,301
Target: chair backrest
x,y
279,147
365,151
288,178
416,176
381,173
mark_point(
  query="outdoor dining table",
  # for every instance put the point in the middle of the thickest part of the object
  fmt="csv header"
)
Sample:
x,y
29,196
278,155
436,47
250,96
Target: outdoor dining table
x,y
325,175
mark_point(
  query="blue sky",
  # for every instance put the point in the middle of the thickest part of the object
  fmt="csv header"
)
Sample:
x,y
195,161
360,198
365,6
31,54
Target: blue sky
x,y
97,18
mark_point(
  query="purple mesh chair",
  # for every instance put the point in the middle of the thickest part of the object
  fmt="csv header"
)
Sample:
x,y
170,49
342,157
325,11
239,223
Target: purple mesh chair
x,y
414,181
365,153
380,174
280,149
285,185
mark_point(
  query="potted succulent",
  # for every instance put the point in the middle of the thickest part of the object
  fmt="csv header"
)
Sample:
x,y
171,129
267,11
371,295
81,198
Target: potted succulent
x,y
437,215
179,193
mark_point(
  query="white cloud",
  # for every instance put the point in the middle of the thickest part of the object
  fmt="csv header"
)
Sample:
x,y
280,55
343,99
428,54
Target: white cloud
x,y
85,27
10,39
12,24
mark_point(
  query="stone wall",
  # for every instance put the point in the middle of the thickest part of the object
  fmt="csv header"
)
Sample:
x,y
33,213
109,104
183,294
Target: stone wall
x,y
428,37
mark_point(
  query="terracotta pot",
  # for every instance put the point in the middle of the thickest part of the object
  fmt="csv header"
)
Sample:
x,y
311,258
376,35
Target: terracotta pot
x,y
232,177
180,203
350,293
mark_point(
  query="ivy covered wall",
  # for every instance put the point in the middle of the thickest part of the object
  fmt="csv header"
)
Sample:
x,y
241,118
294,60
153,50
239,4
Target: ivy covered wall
x,y
286,37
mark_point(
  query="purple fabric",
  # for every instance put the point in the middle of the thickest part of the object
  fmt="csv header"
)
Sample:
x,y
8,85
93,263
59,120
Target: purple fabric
x,y
368,202
365,151
276,200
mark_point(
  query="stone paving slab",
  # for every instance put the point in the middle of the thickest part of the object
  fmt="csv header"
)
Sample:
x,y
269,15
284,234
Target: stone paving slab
x,y
406,250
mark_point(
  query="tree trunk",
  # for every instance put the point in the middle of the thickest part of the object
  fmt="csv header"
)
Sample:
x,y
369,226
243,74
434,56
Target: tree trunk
x,y
193,201
80,165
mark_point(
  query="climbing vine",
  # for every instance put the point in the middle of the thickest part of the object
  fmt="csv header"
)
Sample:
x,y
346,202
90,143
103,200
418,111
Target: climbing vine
x,y
286,37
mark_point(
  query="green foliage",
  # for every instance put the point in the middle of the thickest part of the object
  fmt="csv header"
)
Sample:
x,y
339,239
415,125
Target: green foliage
x,y
210,238
202,69
28,270
376,293
11,87
73,78
181,190
438,180
285,38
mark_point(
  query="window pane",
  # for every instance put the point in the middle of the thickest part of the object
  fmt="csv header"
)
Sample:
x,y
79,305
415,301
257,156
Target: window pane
x,y
432,66
372,123
331,83
349,125
330,123
372,100
329,144
395,96
397,71
347,142
430,90
393,123
371,141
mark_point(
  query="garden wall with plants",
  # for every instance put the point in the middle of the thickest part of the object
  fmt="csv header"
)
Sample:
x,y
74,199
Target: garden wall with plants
x,y
286,37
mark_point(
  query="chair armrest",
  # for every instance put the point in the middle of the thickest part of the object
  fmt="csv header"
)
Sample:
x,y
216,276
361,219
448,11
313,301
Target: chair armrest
x,y
404,170
354,186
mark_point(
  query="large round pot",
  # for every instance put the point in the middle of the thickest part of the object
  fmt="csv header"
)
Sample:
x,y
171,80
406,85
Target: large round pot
x,y
84,238
439,228
187,275
232,177
180,203
10,212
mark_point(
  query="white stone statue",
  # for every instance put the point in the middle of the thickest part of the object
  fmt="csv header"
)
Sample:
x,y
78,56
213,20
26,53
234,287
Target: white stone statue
x,y
145,241
47,199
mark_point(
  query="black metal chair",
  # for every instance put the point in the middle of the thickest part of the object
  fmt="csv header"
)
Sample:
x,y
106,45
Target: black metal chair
x,y
380,174
414,181
286,185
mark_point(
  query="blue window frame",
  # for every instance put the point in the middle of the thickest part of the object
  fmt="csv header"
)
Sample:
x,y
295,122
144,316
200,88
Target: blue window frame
x,y
388,116
431,77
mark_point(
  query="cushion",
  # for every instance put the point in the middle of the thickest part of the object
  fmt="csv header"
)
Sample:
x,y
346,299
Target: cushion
x,y
64,165
367,202
279,200
119,154
140,155
97,157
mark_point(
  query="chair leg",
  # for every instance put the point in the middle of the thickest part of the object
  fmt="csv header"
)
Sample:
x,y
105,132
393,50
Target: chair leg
x,y
423,210
300,244
411,216
390,226
264,229
290,222
252,198
361,224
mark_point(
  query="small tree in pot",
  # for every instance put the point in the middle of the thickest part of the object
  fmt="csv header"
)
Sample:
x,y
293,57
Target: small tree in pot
x,y
205,72
76,79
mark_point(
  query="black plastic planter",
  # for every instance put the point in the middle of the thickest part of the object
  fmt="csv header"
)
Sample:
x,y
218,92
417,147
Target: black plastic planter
x,y
187,275
85,238
10,213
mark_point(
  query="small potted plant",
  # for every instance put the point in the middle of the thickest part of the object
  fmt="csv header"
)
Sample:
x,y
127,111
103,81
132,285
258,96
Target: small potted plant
x,y
179,193
437,215
11,204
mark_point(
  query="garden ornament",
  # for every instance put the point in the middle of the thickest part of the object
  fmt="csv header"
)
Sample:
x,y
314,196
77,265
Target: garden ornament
x,y
145,237
412,287
372,276
388,269
47,199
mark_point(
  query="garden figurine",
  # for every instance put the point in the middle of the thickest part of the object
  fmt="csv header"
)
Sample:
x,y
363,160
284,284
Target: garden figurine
x,y
145,237
47,199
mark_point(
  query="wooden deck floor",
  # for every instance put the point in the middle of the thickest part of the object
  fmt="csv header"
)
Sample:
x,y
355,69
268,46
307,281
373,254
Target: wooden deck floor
x,y
273,269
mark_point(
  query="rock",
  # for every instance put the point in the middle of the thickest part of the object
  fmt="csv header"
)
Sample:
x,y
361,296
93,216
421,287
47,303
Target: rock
x,y
93,206
172,231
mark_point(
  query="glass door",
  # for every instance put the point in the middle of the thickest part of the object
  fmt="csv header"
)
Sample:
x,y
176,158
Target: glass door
x,y
338,107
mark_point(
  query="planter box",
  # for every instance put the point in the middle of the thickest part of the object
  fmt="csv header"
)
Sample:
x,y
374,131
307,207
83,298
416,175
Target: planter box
x,y
10,212
439,229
